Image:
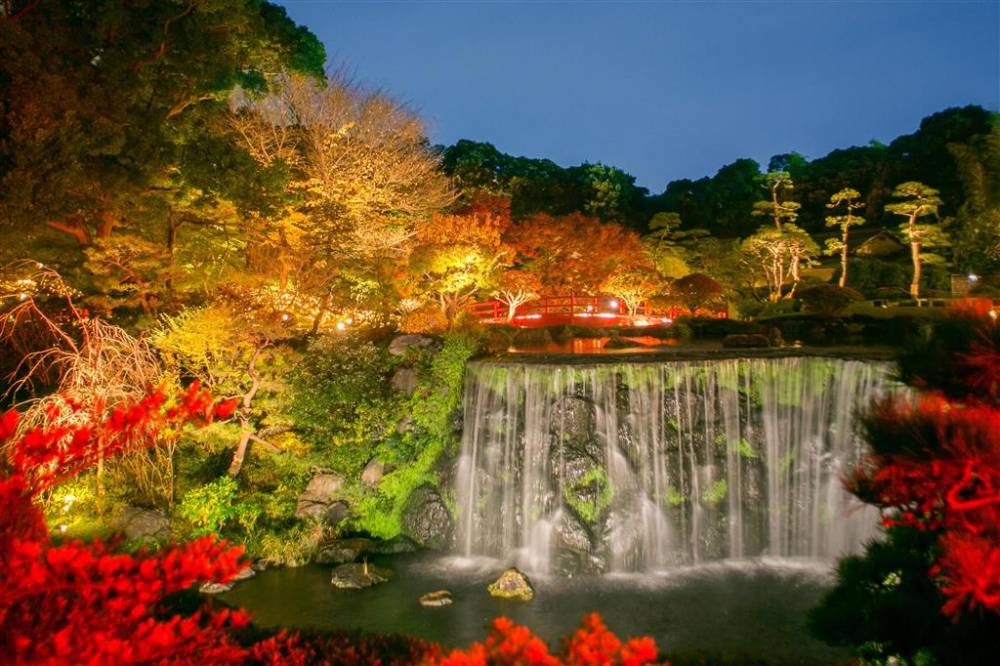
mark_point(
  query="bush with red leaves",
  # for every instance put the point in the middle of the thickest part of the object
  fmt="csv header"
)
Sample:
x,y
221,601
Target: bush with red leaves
x,y
931,588
510,644
84,603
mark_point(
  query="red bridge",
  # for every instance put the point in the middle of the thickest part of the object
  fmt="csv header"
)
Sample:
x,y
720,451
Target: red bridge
x,y
580,311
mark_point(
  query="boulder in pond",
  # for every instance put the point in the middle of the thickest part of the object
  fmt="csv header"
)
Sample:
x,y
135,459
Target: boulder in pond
x,y
426,520
373,472
358,575
215,588
342,551
394,546
436,599
512,584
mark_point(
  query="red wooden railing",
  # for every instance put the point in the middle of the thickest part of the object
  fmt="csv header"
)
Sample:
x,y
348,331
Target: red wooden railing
x,y
580,311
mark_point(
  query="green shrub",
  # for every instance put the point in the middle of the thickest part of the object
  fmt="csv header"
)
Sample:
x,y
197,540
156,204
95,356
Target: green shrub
x,y
209,508
827,299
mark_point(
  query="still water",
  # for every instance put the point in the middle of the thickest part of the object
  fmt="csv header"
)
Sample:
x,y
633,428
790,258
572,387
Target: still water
x,y
748,612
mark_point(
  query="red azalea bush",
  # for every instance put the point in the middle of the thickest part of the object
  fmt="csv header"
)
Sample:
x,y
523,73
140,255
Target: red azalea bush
x,y
84,603
592,645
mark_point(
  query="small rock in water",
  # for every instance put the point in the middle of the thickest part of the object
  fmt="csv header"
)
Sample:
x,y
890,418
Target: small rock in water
x,y
512,584
436,599
246,572
215,588
342,551
358,575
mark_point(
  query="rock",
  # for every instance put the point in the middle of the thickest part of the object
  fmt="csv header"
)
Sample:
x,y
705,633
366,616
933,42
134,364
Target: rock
x,y
393,546
619,343
215,588
774,337
317,498
138,523
426,519
358,575
336,513
512,584
404,380
373,472
436,599
342,551
745,341
245,572
400,345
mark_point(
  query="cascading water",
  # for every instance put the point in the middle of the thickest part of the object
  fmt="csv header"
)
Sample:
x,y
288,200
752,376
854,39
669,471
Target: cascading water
x,y
639,466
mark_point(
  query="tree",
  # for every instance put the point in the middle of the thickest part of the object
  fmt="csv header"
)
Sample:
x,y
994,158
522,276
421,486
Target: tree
x,y
977,242
695,290
848,200
633,285
916,201
573,253
364,178
75,601
113,118
665,244
515,287
779,256
459,254
776,182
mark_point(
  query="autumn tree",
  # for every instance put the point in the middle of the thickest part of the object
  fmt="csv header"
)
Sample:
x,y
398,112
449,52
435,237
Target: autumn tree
x,y
364,179
573,253
695,290
916,201
460,254
848,200
113,124
633,285
515,287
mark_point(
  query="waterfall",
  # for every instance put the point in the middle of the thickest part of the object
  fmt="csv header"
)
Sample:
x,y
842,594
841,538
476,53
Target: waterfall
x,y
640,466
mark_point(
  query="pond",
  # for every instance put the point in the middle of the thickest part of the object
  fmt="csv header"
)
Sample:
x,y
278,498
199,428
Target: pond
x,y
729,612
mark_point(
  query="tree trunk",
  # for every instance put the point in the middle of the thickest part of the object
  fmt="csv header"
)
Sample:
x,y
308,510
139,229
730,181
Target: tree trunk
x,y
915,285
843,262
241,451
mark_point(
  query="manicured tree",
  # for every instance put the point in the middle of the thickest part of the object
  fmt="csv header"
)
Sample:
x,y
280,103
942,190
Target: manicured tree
x,y
848,200
633,285
928,591
779,211
695,290
515,287
665,244
917,201
779,256
828,299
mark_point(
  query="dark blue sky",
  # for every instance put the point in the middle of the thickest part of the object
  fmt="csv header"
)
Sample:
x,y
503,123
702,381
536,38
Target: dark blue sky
x,y
667,90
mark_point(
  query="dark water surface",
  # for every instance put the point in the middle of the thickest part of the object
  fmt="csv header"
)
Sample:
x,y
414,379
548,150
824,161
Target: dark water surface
x,y
722,613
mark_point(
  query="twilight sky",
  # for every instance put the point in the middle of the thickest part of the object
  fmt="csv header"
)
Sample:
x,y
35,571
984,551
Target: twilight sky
x,y
667,90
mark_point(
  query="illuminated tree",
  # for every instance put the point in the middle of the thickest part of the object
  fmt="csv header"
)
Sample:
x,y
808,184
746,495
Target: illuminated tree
x,y
917,201
848,200
779,257
458,255
364,179
695,290
666,244
115,133
515,287
780,212
573,253
633,285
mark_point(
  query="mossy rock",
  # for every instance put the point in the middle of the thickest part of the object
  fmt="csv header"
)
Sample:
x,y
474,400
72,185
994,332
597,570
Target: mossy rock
x,y
512,584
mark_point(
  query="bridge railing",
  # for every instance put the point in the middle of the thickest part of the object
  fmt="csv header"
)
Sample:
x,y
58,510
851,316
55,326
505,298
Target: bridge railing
x,y
582,310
